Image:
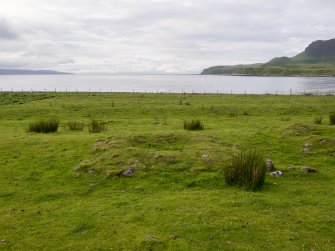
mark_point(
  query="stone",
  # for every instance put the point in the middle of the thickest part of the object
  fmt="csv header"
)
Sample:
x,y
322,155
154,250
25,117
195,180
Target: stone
x,y
76,175
129,172
77,168
277,174
205,156
307,144
152,238
309,169
269,165
92,171
98,144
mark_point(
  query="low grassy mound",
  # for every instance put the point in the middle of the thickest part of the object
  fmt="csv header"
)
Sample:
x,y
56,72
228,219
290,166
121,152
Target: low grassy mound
x,y
153,154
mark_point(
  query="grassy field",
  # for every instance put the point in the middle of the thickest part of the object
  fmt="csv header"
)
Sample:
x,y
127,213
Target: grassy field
x,y
61,191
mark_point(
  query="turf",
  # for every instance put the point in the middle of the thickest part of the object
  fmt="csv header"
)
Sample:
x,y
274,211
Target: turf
x,y
61,191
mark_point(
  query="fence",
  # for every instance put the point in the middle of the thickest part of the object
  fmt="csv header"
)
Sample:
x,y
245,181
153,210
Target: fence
x,y
218,92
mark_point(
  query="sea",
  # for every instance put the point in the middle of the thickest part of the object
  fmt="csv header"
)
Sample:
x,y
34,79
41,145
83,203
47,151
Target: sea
x,y
218,84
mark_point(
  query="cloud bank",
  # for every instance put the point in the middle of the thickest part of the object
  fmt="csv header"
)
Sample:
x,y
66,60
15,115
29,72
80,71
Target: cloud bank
x,y
170,36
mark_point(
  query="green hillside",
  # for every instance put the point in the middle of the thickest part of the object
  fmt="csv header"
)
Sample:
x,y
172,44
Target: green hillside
x,y
318,59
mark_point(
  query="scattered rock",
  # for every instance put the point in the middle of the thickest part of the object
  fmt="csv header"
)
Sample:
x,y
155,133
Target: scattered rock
x,y
306,150
309,169
92,171
307,144
277,174
323,141
152,238
269,165
98,144
129,172
205,156
76,175
77,168
290,168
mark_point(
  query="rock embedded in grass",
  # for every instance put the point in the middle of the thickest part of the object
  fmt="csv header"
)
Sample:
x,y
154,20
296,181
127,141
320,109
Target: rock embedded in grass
x,y
269,165
92,171
309,169
129,172
77,168
277,174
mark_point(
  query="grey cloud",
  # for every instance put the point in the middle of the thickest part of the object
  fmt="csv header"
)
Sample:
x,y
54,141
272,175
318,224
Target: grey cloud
x,y
158,35
5,31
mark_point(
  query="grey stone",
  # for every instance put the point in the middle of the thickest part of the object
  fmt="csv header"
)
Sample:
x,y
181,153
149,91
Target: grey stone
x,y
129,172
277,174
269,165
152,238
92,171
309,169
77,168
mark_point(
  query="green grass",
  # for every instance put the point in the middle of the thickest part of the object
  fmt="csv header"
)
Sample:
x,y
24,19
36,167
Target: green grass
x,y
60,191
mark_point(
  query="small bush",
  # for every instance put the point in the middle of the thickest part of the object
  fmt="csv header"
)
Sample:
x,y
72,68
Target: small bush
x,y
193,125
44,126
247,170
318,120
97,126
332,118
76,126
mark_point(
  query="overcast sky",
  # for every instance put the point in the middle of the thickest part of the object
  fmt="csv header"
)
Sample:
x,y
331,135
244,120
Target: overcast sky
x,y
172,36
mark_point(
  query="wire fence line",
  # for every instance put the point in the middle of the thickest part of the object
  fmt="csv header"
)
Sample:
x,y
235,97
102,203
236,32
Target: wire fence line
x,y
218,92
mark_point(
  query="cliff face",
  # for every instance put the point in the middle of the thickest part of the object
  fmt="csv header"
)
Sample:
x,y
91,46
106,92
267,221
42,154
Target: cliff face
x,y
321,49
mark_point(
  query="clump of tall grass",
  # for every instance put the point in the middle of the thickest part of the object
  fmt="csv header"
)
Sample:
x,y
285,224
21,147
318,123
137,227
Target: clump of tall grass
x,y
332,118
75,126
97,126
44,125
318,120
247,170
195,124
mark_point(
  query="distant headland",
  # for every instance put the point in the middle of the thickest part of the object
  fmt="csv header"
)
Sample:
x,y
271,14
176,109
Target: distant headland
x,y
318,59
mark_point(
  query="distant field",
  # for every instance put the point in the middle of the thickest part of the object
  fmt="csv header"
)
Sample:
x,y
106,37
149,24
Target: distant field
x,y
61,191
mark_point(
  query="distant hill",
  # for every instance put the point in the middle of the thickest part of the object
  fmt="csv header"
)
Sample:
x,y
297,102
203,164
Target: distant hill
x,y
318,59
30,72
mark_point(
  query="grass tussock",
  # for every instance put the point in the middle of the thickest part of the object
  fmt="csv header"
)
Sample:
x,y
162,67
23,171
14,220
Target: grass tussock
x,y
76,126
332,118
318,120
246,170
97,126
44,126
193,125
